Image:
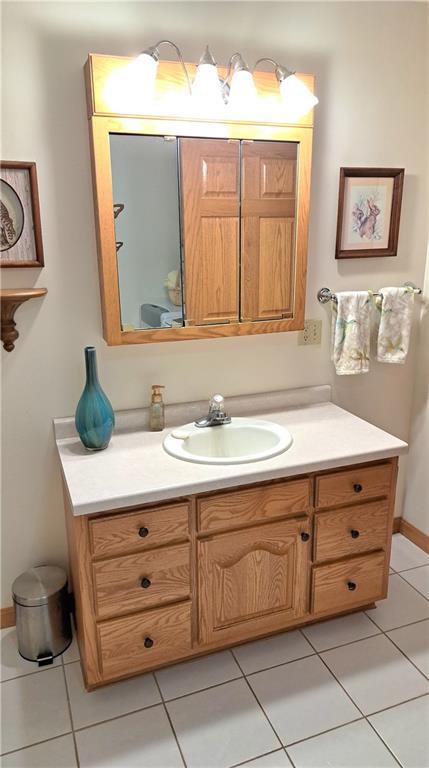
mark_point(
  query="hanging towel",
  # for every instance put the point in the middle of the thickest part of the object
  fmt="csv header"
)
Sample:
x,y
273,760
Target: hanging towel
x,y
396,311
351,332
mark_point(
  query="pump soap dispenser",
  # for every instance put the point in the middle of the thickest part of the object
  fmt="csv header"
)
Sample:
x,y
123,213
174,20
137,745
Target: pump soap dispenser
x,y
156,418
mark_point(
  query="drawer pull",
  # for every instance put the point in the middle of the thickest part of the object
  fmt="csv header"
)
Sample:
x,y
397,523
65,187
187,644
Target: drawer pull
x,y
305,536
145,583
354,534
148,642
143,532
351,586
357,488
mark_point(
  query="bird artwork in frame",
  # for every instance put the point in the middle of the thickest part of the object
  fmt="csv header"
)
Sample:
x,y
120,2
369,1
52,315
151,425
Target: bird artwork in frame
x,y
20,229
369,210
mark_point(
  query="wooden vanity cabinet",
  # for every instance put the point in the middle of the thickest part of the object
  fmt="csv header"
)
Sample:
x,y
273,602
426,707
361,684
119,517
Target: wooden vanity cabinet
x,y
171,581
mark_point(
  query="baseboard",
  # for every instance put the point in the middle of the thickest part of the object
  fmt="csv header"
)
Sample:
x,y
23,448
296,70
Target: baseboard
x,y
7,617
397,524
414,534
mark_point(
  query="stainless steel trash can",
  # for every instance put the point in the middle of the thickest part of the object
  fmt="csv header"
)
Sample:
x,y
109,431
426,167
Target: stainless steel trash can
x,y
43,625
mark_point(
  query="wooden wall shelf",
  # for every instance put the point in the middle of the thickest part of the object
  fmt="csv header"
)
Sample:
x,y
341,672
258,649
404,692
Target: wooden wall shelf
x,y
11,299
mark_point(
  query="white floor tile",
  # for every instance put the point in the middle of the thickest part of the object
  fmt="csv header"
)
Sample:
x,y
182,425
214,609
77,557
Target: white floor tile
x,y
375,673
12,664
72,652
302,699
141,739
34,708
403,605
405,554
352,746
222,726
405,730
278,759
191,676
272,651
111,701
58,753
414,642
419,579
340,631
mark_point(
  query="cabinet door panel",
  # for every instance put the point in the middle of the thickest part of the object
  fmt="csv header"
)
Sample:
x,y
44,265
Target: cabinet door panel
x,y
210,212
268,229
247,577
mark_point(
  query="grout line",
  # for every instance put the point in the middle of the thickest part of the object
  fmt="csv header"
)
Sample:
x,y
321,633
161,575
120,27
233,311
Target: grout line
x,y
355,704
328,730
401,626
409,583
255,697
351,642
36,744
71,716
169,719
413,568
273,666
400,649
252,759
116,717
198,690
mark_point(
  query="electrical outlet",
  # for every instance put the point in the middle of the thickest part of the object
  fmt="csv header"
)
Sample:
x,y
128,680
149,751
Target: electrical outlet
x,y
312,333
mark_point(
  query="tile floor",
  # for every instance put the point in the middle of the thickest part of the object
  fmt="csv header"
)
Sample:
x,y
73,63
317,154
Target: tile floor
x,y
352,692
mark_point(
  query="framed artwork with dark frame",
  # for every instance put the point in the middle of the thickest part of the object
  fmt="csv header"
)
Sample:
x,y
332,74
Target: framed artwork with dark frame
x,y
20,231
369,210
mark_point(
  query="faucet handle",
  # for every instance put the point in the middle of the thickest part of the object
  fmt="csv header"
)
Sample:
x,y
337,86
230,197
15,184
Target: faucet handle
x,y
217,403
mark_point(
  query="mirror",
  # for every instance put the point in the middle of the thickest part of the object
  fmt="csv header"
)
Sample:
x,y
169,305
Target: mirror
x,y
147,230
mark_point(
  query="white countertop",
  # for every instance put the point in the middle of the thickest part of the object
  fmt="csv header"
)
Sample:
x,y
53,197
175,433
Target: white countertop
x,y
135,469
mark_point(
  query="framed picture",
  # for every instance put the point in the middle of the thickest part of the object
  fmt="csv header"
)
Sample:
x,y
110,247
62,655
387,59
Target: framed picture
x,y
369,209
20,231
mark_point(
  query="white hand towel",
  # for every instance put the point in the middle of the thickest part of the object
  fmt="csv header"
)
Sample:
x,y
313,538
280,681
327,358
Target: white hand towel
x,y
351,332
396,312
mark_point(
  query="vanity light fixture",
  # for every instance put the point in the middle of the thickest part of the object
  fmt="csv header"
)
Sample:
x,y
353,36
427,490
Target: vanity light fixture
x,y
207,87
237,91
240,94
297,99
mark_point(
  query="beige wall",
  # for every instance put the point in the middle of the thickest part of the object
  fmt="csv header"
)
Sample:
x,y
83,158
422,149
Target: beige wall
x,y
371,80
416,503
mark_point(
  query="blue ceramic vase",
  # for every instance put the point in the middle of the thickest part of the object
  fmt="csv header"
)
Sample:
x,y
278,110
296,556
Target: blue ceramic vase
x,y
94,417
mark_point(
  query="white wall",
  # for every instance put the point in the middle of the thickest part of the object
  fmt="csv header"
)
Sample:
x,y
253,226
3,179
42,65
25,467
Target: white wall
x,y
372,85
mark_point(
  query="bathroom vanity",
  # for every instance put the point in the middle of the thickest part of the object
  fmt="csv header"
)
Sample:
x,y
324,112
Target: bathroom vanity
x,y
170,559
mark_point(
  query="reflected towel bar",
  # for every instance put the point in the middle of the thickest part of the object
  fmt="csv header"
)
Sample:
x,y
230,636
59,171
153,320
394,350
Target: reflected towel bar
x,y
325,294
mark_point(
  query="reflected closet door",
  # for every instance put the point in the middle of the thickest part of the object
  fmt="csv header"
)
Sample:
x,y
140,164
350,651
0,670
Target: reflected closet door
x,y
268,214
210,184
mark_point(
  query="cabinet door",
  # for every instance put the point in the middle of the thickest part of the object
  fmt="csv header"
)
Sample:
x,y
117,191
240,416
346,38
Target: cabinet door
x,y
253,580
209,170
268,229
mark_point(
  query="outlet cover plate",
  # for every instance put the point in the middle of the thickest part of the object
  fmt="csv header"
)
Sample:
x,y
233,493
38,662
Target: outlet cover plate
x,y
312,333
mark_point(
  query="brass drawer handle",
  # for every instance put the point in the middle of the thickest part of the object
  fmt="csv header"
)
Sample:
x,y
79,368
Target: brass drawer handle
x,y
351,586
143,532
354,534
145,583
148,642
357,488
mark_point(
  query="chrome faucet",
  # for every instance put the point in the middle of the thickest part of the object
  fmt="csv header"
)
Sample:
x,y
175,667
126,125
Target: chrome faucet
x,y
216,415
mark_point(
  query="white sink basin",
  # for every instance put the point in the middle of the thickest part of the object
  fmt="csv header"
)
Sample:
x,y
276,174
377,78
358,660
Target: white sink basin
x,y
241,441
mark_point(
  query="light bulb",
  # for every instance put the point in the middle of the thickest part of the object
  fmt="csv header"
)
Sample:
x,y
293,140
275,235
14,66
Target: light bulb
x,y
297,99
143,71
242,95
206,88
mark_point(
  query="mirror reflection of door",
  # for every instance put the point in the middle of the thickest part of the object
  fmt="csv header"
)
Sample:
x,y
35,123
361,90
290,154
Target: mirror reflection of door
x,y
145,183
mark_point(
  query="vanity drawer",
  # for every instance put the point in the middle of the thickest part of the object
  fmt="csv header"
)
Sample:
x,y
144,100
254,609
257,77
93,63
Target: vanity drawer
x,y
343,585
143,580
244,507
144,529
145,640
352,530
353,485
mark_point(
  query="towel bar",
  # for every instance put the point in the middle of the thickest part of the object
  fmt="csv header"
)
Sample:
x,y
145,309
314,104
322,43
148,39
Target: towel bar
x,y
325,294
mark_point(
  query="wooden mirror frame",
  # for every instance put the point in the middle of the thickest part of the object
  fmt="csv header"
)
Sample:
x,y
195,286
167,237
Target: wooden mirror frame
x,y
103,120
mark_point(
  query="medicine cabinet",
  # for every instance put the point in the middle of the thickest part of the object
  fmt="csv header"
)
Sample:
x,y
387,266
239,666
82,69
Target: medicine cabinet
x,y
201,224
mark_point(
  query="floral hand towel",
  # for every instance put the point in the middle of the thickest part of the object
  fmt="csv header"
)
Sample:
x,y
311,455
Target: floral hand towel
x,y
351,332
396,311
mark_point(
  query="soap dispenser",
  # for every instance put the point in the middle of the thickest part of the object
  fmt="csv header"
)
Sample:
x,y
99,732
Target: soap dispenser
x,y
156,417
